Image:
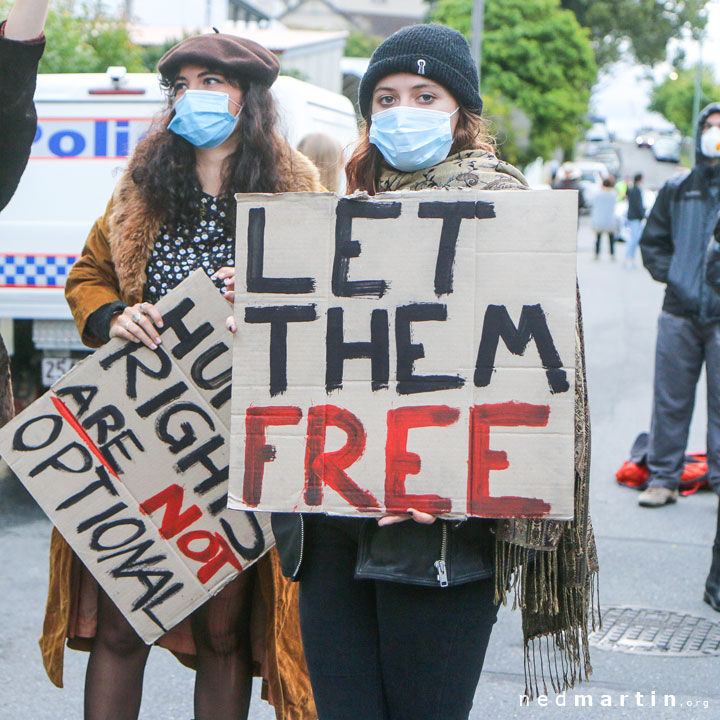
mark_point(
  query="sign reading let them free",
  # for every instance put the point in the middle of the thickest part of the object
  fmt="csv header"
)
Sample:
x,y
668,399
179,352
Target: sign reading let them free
x,y
128,456
411,349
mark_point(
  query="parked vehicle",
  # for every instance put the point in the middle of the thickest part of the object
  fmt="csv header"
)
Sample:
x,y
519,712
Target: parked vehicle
x,y
609,156
583,175
88,125
667,147
646,137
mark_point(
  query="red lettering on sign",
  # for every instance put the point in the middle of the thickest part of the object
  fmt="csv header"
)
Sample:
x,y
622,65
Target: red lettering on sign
x,y
329,468
215,555
399,462
257,451
482,459
173,521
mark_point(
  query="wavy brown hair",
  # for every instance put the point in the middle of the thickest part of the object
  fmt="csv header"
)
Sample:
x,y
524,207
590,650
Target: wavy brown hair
x,y
163,165
364,166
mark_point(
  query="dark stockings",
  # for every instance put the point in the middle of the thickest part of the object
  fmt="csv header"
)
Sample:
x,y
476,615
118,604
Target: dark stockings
x,y
224,664
223,685
113,681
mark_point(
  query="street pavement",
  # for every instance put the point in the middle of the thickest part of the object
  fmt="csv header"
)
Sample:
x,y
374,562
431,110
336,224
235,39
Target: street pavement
x,y
649,558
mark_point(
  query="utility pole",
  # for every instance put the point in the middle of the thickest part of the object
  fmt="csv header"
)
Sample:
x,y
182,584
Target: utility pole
x,y
476,33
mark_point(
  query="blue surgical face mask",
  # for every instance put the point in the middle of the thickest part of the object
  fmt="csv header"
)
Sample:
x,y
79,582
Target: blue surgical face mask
x,y
412,138
203,118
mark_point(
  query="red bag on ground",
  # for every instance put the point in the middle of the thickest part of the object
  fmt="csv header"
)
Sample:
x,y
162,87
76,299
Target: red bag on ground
x,y
634,472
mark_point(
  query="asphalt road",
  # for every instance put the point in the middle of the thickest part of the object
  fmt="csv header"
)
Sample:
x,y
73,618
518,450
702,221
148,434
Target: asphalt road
x,y
649,558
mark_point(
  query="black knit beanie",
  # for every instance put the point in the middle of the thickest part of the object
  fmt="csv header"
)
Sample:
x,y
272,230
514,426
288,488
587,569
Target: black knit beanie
x,y
436,51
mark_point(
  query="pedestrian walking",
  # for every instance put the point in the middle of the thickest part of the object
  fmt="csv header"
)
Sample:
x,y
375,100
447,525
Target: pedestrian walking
x,y
635,218
602,216
382,637
674,247
171,213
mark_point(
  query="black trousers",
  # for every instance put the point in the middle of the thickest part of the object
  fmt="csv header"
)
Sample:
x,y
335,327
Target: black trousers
x,y
380,650
611,240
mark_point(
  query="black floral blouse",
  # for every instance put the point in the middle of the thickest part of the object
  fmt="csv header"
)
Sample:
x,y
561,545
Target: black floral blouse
x,y
178,250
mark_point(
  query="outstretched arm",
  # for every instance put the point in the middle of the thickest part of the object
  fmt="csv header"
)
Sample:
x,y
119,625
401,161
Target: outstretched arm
x,y
27,20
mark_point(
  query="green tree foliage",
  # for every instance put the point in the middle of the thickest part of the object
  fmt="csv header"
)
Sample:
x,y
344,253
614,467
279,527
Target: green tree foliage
x,y
643,26
360,44
537,58
84,37
673,98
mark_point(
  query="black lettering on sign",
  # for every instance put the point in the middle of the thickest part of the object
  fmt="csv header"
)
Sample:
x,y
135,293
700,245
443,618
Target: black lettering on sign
x,y
197,372
117,441
532,326
161,399
133,364
252,552
172,590
219,399
83,395
452,215
106,418
346,248
179,443
59,461
337,350
187,340
103,481
256,281
49,434
141,568
408,351
279,317
98,532
202,455
104,515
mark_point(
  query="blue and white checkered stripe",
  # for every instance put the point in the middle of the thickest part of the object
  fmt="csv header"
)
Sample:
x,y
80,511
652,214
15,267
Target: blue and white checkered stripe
x,y
46,271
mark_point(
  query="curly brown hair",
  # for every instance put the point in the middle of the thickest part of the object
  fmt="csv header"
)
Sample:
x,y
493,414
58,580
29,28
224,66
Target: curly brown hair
x,y
164,166
364,166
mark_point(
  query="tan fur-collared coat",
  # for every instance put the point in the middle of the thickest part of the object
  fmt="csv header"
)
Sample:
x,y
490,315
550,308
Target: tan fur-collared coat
x,y
111,268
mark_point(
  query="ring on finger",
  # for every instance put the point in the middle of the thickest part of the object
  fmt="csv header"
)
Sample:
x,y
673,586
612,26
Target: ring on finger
x,y
137,317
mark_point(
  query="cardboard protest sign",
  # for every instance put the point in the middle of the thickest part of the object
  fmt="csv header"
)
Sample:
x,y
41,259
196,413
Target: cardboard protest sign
x,y
411,349
128,456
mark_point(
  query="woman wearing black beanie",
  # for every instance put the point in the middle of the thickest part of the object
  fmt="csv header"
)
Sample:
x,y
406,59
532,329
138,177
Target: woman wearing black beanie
x,y
396,614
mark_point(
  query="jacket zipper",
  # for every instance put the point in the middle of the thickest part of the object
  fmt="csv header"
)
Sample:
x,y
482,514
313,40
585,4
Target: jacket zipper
x,y
302,547
440,565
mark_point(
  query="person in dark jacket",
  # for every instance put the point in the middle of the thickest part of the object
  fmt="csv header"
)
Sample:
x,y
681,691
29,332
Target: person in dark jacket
x,y
635,217
396,613
674,248
21,45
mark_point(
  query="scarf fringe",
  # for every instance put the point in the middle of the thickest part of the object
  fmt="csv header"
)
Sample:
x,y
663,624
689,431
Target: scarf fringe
x,y
561,658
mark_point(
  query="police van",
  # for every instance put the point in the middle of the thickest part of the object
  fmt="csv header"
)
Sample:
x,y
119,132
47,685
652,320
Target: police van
x,y
88,125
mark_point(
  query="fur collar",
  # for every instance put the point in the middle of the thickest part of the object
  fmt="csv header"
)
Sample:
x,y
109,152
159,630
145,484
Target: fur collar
x,y
134,225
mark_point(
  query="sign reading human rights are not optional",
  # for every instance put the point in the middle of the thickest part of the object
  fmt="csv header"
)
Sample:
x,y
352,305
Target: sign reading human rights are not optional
x,y
128,456
411,349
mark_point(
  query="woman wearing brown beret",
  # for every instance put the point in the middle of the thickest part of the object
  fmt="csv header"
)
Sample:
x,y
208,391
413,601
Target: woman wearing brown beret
x,y
171,213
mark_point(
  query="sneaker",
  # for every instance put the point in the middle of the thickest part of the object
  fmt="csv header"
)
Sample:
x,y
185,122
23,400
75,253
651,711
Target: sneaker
x,y
657,497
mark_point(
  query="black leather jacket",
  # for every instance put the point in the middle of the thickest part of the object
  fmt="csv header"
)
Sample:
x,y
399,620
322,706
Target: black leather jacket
x,y
441,554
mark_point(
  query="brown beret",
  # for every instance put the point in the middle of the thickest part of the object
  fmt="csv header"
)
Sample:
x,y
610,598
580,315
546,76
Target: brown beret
x,y
235,56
